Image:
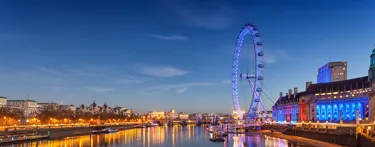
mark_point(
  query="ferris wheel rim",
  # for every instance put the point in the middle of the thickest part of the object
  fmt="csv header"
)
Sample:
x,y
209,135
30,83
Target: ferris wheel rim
x,y
251,29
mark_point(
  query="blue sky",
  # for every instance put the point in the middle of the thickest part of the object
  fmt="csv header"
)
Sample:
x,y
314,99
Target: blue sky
x,y
160,54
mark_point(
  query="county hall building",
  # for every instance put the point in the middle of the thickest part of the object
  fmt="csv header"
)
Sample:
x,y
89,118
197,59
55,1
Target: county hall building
x,y
330,100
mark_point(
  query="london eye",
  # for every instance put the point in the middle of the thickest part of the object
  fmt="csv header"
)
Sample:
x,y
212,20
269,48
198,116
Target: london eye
x,y
253,79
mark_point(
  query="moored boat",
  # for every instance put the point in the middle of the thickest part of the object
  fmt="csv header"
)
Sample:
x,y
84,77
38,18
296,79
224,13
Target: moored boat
x,y
105,130
154,124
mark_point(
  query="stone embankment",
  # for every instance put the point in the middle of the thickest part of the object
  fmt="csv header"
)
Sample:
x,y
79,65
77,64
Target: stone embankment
x,y
57,133
303,140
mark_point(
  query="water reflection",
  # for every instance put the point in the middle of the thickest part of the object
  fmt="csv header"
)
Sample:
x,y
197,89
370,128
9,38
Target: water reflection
x,y
177,136
262,141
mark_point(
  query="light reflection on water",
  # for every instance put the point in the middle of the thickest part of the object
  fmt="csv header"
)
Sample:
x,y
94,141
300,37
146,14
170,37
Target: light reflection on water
x,y
177,136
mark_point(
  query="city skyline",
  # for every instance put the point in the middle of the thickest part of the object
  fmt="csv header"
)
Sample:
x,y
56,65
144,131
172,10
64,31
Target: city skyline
x,y
171,54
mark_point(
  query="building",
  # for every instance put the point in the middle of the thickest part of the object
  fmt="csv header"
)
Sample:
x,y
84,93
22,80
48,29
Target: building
x,y
29,107
325,102
70,108
171,114
129,112
3,101
339,101
332,72
53,106
184,116
157,115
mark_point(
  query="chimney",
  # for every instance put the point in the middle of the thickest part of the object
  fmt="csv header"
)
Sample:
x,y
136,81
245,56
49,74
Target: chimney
x,y
281,94
289,93
308,84
295,91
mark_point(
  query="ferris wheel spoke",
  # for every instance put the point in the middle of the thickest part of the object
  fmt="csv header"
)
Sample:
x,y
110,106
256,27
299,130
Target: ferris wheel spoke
x,y
247,76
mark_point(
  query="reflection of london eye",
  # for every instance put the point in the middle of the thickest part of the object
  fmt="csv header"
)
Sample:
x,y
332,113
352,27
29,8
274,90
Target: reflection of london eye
x,y
238,141
254,79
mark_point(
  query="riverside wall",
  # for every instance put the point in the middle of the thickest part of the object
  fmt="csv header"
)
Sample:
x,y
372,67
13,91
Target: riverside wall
x,y
344,136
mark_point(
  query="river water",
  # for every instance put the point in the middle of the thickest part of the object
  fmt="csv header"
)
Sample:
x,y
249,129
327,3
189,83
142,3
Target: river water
x,y
177,136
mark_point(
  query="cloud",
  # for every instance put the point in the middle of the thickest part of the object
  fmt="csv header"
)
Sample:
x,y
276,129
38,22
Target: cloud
x,y
50,71
181,90
226,81
178,88
69,78
209,15
101,90
162,71
272,56
133,79
171,38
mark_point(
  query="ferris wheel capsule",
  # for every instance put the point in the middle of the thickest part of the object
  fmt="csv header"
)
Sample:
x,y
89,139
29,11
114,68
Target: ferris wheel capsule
x,y
260,65
257,35
259,43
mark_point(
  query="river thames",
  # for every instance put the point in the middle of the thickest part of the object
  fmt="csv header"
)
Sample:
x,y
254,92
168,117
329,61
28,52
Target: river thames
x,y
177,136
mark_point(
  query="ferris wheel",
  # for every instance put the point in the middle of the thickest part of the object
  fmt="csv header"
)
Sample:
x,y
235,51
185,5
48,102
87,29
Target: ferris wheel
x,y
254,79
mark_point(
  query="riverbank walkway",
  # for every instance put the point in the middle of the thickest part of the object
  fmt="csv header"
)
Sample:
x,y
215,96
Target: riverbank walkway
x,y
306,141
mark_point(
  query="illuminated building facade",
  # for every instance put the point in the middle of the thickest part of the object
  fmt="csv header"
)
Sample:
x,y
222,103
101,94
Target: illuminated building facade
x,y
287,107
332,72
157,115
330,101
3,101
325,102
340,99
29,107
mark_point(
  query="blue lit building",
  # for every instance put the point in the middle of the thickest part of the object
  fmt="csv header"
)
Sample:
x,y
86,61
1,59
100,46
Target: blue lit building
x,y
325,102
331,99
342,98
332,72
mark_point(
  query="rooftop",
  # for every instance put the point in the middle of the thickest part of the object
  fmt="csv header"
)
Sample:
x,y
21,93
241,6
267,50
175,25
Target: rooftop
x,y
47,104
292,98
21,100
346,85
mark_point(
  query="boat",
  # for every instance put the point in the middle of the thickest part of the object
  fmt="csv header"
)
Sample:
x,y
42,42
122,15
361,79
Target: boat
x,y
154,124
109,130
216,138
139,126
209,129
105,130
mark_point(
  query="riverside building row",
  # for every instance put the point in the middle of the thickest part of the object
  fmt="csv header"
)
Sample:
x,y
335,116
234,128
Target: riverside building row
x,y
32,107
338,101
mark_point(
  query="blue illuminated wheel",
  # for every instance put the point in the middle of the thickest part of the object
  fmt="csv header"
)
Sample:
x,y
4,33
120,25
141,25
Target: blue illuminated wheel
x,y
255,79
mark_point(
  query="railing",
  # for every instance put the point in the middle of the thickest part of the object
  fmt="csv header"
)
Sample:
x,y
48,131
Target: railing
x,y
331,128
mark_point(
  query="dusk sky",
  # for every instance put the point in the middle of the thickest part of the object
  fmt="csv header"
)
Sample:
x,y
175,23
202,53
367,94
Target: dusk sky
x,y
172,54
